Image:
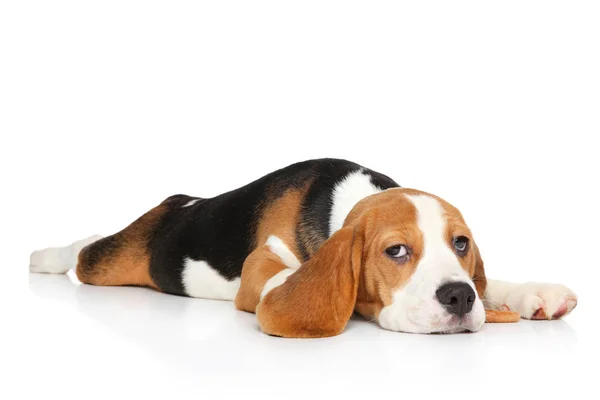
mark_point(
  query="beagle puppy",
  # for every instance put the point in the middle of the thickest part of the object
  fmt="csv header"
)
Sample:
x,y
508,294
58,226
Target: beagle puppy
x,y
306,246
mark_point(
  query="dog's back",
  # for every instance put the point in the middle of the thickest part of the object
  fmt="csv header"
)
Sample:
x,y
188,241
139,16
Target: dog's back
x,y
197,247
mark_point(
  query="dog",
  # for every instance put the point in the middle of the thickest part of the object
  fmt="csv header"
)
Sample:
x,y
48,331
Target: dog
x,y
308,245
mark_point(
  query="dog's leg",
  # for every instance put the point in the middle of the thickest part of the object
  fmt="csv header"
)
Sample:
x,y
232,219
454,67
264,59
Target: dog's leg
x,y
532,300
264,269
58,260
119,259
123,258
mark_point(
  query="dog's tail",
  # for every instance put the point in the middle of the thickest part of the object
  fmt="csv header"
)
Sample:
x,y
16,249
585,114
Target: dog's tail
x,y
58,260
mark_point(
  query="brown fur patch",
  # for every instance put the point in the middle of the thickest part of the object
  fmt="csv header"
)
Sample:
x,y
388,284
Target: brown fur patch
x,y
123,258
260,266
495,316
280,219
479,278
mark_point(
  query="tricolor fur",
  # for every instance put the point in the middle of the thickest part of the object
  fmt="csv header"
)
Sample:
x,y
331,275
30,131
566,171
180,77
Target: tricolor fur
x,y
306,246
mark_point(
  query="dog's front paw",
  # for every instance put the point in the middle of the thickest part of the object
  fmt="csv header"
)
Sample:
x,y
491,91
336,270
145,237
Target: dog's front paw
x,y
541,300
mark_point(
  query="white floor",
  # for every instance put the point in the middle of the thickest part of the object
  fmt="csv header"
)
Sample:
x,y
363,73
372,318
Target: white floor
x,y
69,340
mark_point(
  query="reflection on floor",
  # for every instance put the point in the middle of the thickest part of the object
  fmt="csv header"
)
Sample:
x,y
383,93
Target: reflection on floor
x,y
212,337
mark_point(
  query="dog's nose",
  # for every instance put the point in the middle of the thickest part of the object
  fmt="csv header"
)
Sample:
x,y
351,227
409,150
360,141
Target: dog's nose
x,y
456,297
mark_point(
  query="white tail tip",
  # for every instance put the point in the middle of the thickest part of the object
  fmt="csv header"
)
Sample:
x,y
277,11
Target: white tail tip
x,y
58,260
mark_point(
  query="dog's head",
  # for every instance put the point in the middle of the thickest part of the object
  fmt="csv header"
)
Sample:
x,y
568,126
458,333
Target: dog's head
x,y
404,258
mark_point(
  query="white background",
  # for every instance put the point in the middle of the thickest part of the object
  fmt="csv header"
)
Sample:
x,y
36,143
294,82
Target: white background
x,y
106,108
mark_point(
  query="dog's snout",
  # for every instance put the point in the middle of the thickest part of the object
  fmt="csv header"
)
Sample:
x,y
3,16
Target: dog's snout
x,y
456,297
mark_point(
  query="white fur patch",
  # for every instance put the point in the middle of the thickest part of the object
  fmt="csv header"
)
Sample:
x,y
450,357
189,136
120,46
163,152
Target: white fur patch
x,y
277,279
58,260
346,194
415,307
279,248
190,203
496,293
200,280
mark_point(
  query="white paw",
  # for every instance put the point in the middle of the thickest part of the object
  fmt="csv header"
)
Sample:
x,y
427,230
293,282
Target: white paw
x,y
58,260
541,300
49,261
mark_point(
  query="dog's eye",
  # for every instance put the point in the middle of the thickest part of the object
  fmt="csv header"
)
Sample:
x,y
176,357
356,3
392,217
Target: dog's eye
x,y
461,244
399,251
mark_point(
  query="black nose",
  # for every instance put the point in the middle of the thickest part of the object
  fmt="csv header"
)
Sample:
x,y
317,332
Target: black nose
x,y
456,297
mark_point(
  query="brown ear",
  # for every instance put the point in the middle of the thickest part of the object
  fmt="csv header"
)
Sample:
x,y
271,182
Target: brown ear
x,y
318,299
479,276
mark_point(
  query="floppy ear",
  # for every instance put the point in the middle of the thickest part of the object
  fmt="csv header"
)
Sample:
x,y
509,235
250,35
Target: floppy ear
x,y
318,299
479,278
